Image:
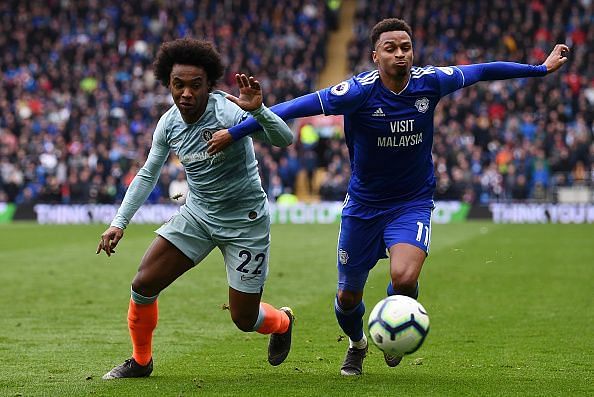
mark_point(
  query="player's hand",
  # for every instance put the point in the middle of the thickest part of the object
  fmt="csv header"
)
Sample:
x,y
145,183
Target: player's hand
x,y
219,141
556,58
109,239
250,93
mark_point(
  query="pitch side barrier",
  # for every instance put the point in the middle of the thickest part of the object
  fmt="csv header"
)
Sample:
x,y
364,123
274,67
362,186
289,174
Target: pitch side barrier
x,y
542,213
298,213
305,213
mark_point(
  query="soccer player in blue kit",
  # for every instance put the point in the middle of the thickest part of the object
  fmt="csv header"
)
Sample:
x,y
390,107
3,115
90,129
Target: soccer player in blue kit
x,y
388,124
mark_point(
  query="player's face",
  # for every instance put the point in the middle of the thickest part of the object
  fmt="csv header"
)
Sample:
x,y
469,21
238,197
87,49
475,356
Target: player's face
x,y
189,89
394,53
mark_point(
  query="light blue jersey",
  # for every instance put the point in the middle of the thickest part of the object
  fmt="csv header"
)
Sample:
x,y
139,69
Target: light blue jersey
x,y
222,187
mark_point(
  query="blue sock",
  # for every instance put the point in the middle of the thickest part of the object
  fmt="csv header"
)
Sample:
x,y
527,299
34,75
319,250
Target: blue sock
x,y
351,321
390,291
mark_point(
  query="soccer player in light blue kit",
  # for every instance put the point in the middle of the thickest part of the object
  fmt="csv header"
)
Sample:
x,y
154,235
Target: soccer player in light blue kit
x,y
388,124
226,206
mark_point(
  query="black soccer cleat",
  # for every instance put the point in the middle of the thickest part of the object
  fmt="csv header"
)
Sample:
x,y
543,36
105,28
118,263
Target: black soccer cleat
x,y
392,361
353,361
280,344
130,369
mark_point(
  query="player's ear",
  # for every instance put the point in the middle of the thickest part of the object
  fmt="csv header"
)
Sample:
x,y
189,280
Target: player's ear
x,y
374,56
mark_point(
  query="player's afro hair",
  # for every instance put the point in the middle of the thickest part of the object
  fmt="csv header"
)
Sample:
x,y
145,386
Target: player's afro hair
x,y
388,25
188,51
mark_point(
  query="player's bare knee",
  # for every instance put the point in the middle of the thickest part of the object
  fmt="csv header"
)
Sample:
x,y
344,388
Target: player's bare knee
x,y
141,286
404,282
405,286
244,322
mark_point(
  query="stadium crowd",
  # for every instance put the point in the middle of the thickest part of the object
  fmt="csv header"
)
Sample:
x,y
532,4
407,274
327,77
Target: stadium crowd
x,y
78,101
512,139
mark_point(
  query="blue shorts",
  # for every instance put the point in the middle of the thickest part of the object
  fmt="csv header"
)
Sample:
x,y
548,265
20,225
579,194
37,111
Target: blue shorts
x,y
366,233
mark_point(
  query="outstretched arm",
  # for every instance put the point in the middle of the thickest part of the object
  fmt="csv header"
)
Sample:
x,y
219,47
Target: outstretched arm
x,y
510,70
307,105
137,193
275,130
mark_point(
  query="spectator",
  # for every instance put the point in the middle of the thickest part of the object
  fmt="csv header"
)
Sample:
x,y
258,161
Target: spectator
x,y
77,89
178,188
77,95
510,122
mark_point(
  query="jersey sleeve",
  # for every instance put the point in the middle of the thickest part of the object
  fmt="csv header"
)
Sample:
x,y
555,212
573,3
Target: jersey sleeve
x,y
271,128
450,79
343,98
229,113
275,130
500,71
303,106
146,178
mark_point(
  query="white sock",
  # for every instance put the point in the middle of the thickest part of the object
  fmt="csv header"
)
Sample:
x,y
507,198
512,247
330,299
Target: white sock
x,y
362,344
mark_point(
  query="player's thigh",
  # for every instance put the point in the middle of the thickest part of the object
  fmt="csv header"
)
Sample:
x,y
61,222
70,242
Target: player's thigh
x,y
180,244
246,251
406,262
161,264
360,246
408,237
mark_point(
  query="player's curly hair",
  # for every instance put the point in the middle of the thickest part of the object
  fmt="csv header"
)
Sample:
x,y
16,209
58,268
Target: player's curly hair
x,y
188,51
388,25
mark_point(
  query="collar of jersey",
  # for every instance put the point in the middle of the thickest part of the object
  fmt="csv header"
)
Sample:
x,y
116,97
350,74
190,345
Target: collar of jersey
x,y
401,91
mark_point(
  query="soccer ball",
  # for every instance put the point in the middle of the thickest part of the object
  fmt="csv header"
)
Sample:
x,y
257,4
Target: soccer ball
x,y
398,325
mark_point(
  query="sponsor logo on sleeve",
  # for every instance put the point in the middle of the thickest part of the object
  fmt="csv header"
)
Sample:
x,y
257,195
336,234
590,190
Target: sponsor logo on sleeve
x,y
446,69
340,89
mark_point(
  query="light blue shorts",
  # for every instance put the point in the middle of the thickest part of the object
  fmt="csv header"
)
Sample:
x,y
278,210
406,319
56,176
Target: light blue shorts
x,y
245,245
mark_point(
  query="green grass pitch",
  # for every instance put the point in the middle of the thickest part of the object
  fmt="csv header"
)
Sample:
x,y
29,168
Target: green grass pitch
x,y
511,309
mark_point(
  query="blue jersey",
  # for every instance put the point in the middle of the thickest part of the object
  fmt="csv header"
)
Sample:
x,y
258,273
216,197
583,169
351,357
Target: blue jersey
x,y
390,134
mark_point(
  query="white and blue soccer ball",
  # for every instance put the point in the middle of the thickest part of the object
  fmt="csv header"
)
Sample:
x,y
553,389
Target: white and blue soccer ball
x,y
398,325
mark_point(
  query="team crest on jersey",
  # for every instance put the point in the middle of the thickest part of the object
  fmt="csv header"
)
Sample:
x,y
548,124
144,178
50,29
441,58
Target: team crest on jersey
x,y
422,104
343,256
340,89
207,135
